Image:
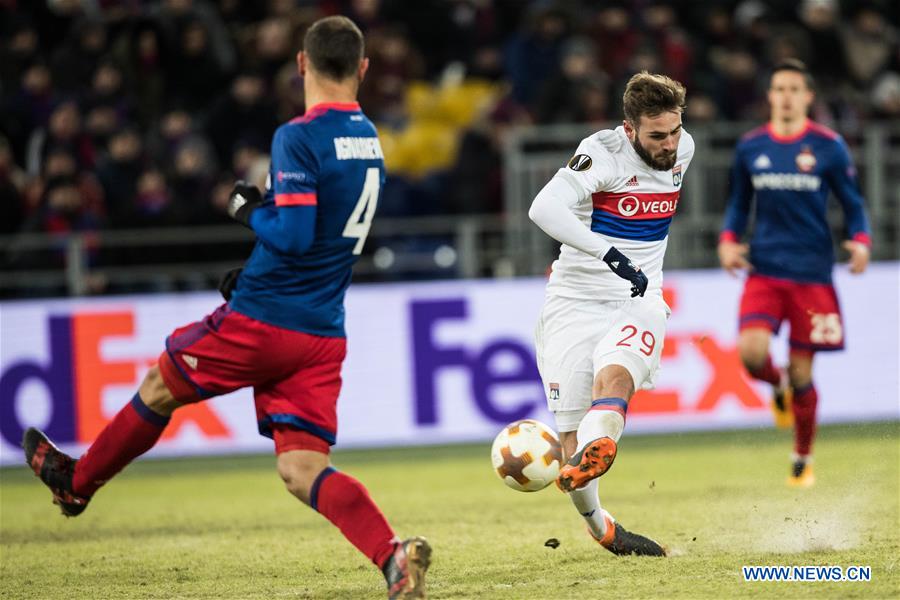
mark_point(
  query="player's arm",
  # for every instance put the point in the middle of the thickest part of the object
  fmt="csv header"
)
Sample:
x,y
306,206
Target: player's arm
x,y
732,253
552,209
289,224
842,179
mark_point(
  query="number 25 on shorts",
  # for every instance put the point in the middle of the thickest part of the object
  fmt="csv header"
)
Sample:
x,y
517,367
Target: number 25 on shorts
x,y
826,328
645,345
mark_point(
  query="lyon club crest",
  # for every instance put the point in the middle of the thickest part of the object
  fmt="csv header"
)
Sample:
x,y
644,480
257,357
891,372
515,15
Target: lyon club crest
x,y
676,175
806,160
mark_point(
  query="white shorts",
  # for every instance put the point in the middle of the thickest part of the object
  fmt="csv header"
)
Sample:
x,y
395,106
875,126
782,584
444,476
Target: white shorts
x,y
576,338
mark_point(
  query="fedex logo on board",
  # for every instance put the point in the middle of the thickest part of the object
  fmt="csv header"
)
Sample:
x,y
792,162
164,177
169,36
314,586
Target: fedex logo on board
x,y
76,376
727,380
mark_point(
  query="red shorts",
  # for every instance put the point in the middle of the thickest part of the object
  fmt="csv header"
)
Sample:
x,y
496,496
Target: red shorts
x,y
811,309
296,376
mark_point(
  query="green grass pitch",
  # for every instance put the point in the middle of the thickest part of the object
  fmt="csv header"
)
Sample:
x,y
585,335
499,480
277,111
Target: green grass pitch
x,y
225,527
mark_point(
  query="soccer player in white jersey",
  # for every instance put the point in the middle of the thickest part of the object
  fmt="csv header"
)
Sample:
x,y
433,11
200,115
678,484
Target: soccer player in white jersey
x,y
601,330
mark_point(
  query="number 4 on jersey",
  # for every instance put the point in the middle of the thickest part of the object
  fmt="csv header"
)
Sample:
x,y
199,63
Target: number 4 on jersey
x,y
358,224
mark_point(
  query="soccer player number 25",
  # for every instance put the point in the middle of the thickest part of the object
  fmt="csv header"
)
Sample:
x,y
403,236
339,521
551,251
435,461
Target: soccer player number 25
x,y
358,224
826,328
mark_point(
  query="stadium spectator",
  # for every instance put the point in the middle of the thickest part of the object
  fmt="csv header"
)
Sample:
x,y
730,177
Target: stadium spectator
x,y
868,43
118,172
12,182
395,64
246,112
17,52
196,73
273,47
192,179
615,37
64,209
578,93
74,61
532,54
142,52
820,20
63,130
60,163
153,205
672,43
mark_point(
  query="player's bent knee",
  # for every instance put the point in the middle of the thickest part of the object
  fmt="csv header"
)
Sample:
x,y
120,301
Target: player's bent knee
x,y
299,469
753,347
156,395
800,374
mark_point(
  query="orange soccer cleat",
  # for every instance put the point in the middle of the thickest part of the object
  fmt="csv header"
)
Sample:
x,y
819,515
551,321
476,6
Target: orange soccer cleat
x,y
591,462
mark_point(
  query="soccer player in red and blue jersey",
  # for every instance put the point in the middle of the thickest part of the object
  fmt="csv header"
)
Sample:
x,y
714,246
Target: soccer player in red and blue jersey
x,y
790,165
282,330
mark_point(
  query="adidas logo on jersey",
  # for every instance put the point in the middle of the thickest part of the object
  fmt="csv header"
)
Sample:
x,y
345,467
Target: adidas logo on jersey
x,y
762,162
633,181
190,361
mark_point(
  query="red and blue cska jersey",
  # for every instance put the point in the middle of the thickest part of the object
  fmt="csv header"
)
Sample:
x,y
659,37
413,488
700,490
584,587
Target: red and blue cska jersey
x,y
791,178
324,182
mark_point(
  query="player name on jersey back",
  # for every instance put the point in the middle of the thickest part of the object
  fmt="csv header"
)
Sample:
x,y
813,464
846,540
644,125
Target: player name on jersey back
x,y
360,148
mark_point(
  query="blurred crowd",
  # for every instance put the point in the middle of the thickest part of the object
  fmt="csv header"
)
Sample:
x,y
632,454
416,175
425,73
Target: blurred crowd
x,y
131,113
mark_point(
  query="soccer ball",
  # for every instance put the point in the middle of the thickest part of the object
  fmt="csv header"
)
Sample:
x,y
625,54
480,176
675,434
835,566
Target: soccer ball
x,y
526,455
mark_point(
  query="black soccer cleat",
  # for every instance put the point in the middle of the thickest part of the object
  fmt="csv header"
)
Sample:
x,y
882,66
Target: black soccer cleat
x,y
405,569
622,542
625,543
55,469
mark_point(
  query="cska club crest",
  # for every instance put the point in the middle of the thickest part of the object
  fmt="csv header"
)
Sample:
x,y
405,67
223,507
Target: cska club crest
x,y
676,175
806,160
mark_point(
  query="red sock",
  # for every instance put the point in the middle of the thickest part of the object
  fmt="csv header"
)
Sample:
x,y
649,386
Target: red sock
x,y
133,431
805,402
768,372
346,503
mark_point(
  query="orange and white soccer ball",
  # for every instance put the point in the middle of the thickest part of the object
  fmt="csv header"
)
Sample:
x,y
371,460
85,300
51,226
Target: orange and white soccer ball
x,y
526,455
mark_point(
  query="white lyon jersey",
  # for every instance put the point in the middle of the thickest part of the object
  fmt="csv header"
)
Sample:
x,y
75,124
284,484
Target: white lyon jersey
x,y
628,203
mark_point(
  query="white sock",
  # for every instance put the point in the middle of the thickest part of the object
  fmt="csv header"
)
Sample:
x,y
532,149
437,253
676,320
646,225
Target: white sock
x,y
600,423
588,505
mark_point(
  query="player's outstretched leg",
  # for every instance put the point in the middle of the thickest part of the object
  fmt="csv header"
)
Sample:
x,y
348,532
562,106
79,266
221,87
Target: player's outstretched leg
x,y
622,542
55,469
134,430
405,570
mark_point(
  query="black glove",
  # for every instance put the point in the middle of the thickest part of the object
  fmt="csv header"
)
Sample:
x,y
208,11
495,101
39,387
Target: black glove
x,y
626,269
244,199
228,282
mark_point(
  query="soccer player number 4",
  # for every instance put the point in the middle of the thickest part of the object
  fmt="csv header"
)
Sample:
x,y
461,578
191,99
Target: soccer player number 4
x,y
358,224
